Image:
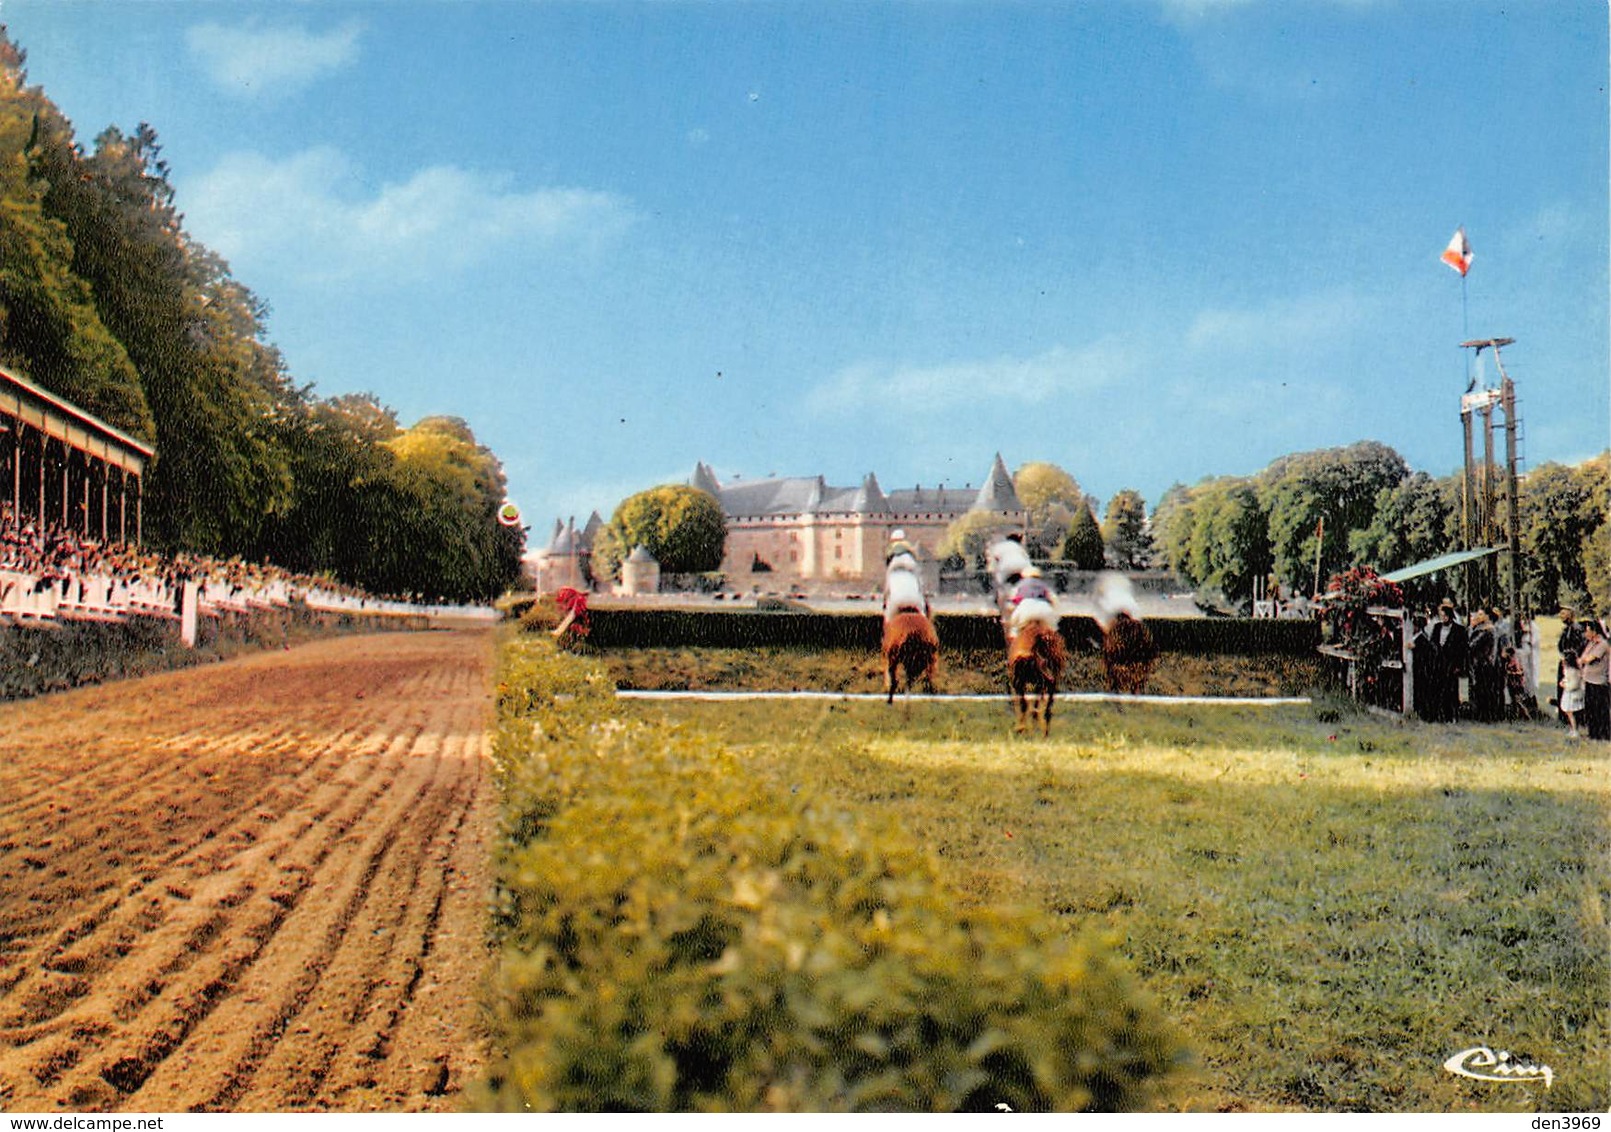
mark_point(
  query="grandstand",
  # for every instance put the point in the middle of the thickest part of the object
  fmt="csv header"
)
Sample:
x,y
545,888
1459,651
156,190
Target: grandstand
x,y
66,552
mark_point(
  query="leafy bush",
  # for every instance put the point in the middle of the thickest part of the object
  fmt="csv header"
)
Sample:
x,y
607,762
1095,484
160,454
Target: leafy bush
x,y
680,934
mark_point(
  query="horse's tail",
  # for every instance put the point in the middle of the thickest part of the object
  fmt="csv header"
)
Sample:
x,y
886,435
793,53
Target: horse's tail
x,y
910,643
1052,651
909,629
1042,647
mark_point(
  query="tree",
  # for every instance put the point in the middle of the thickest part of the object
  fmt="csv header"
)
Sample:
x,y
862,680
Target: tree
x,y
1413,522
1230,545
964,543
216,392
1171,527
1596,555
1083,545
341,472
681,526
1563,529
1337,485
1124,530
1051,500
453,487
50,330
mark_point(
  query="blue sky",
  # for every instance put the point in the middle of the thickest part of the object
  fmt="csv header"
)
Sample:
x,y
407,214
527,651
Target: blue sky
x,y
1151,240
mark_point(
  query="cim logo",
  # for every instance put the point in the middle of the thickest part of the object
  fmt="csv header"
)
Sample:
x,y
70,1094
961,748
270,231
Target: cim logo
x,y
1483,1064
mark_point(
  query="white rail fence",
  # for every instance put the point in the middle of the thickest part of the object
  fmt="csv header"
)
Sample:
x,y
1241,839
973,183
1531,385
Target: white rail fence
x,y
29,599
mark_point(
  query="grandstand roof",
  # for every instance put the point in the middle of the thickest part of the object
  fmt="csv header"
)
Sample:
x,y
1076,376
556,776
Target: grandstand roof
x,y
59,418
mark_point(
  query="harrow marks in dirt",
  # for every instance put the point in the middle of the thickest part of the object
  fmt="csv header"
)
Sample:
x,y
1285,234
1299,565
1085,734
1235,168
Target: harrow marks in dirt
x,y
258,886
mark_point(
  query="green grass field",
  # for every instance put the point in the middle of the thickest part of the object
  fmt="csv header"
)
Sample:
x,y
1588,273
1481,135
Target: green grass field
x,y
1329,903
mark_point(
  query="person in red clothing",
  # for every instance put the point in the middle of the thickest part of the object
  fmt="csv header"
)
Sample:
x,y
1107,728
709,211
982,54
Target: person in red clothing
x,y
572,603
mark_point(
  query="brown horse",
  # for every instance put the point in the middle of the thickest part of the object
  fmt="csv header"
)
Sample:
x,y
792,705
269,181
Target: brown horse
x,y
910,643
1035,660
1128,654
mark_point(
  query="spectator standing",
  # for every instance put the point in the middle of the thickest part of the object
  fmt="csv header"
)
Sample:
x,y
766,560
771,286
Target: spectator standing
x,y
1504,628
1527,646
1424,663
1449,646
1523,702
1571,701
1596,680
1570,641
1482,662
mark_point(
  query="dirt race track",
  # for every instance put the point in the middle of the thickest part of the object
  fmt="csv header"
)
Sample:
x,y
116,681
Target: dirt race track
x,y
258,886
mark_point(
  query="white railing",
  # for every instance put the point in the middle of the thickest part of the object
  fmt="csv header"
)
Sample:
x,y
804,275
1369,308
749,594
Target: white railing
x,y
102,597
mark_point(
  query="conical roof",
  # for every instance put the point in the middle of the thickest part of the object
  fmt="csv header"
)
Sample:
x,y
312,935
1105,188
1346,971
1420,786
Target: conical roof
x,y
705,480
997,494
869,498
595,523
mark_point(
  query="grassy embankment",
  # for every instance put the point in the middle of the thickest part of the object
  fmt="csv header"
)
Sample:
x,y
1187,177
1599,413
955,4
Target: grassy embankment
x,y
1329,903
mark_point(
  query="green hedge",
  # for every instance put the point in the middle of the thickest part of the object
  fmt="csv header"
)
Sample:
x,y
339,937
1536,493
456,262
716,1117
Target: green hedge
x,y
677,934
721,628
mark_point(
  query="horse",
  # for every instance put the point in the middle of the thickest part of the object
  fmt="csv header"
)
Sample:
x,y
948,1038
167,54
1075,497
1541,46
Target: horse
x,y
1036,656
910,643
1128,654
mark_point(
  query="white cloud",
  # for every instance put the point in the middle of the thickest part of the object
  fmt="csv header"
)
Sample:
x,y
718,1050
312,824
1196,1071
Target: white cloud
x,y
315,213
1284,330
258,60
1189,13
938,388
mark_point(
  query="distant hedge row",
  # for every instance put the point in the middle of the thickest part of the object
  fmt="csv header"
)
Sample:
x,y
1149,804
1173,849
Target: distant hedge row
x,y
57,655
679,934
721,628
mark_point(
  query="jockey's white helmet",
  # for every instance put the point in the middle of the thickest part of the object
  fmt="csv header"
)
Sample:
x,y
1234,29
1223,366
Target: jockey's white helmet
x,y
896,534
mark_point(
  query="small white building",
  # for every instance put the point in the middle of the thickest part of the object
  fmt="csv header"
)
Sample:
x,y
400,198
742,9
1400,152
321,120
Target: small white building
x,y
640,572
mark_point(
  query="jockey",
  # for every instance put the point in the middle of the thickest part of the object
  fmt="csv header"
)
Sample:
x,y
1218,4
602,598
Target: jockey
x,y
1032,600
1007,560
900,549
573,603
903,587
903,593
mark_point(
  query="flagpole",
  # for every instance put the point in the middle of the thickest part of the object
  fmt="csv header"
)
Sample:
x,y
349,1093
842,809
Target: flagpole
x,y
1465,326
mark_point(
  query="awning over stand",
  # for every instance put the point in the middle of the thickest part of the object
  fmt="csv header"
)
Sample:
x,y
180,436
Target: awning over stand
x,y
1441,562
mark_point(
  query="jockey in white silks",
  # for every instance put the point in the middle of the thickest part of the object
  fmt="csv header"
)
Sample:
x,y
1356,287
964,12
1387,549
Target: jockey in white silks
x,y
903,587
1032,600
1114,595
1007,560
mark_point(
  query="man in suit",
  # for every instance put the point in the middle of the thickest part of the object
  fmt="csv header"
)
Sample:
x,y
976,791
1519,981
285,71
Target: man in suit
x,y
1449,644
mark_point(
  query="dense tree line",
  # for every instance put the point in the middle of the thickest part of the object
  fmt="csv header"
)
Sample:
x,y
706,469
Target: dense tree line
x,y
1315,514
108,302
1311,515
